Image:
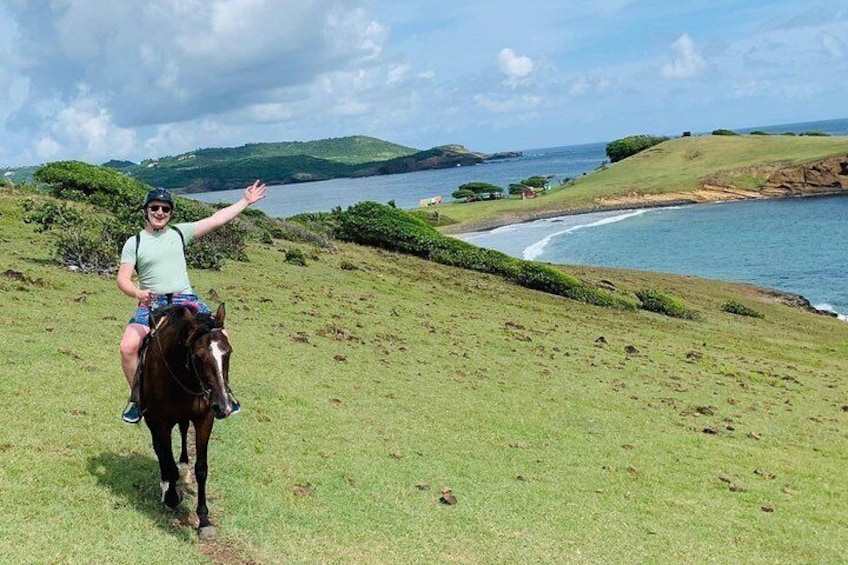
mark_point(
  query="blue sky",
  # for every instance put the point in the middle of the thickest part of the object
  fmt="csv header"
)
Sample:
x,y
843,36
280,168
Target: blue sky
x,y
93,80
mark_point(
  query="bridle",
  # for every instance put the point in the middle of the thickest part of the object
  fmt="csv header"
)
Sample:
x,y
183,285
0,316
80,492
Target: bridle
x,y
191,362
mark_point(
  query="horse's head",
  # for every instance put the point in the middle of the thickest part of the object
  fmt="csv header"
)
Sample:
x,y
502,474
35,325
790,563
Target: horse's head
x,y
210,351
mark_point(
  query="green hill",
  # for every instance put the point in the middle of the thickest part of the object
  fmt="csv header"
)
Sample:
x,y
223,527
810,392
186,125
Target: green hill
x,y
374,382
683,170
289,162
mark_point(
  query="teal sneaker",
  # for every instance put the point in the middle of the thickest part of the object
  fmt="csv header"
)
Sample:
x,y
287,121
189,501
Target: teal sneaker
x,y
235,403
132,413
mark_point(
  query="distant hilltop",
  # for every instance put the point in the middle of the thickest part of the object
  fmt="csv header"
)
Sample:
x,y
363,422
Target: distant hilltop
x,y
213,169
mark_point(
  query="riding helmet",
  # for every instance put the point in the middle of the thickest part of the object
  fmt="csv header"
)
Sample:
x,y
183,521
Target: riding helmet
x,y
159,194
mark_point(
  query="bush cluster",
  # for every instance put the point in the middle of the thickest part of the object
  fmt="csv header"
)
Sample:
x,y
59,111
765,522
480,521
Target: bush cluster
x,y
377,225
627,146
739,309
296,256
655,301
88,243
92,241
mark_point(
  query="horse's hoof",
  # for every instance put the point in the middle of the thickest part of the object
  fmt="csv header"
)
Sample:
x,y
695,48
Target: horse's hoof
x,y
176,505
206,532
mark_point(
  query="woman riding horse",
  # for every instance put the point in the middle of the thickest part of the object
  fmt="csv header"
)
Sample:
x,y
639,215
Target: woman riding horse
x,y
157,254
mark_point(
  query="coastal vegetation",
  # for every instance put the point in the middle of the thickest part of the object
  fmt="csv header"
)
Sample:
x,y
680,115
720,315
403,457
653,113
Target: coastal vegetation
x,y
677,171
474,191
631,145
95,209
399,410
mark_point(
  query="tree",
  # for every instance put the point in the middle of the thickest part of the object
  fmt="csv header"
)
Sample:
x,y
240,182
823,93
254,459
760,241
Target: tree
x,y
627,146
535,182
471,191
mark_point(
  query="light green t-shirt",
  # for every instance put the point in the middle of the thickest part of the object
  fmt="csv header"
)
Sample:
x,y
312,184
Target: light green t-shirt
x,y
161,263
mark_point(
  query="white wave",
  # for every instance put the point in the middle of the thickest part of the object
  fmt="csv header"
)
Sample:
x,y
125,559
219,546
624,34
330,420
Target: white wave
x,y
829,308
535,250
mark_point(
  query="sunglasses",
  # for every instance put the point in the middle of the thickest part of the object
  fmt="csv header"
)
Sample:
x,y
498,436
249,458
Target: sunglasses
x,y
157,207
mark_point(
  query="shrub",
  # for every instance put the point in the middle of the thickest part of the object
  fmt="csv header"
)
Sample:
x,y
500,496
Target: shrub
x,y
296,257
724,132
739,309
319,223
434,217
627,146
655,301
88,243
547,279
370,223
115,193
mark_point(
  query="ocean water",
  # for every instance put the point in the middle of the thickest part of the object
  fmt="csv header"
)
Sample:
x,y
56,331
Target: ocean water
x,y
794,245
408,189
791,245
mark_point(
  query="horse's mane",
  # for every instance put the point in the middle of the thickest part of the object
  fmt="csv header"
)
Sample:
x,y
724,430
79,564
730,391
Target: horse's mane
x,y
184,322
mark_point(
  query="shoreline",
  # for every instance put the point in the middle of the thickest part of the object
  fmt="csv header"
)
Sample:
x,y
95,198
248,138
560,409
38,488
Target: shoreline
x,y
628,203
789,298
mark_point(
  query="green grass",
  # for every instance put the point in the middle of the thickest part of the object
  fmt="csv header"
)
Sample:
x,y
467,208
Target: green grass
x,y
677,165
380,385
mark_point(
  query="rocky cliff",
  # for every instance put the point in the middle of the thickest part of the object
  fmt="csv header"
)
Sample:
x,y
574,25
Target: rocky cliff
x,y
824,177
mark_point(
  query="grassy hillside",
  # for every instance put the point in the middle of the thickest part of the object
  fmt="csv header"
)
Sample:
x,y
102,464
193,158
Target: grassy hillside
x,y
217,168
676,166
371,381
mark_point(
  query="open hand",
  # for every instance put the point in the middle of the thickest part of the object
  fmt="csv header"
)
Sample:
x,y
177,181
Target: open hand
x,y
255,192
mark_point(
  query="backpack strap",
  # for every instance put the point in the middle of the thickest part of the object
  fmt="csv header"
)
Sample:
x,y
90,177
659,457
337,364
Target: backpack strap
x,y
138,242
180,233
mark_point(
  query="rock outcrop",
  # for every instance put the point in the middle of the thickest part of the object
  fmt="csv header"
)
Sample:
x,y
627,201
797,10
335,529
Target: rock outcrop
x,y
823,177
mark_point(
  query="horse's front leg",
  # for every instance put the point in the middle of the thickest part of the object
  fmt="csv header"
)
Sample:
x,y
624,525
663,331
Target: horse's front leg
x,y
203,431
167,466
185,470
183,442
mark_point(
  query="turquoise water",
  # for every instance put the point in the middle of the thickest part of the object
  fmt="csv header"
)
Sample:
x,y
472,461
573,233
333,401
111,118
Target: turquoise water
x,y
795,245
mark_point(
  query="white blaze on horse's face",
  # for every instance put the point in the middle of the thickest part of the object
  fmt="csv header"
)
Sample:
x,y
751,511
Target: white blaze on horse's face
x,y
218,354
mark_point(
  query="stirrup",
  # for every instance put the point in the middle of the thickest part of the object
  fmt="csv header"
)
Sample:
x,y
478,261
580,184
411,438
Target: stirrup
x,y
132,413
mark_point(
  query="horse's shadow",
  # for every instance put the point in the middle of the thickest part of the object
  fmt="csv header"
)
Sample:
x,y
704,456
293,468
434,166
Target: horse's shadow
x,y
134,479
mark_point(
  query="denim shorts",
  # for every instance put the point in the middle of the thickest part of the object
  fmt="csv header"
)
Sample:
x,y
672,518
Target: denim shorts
x,y
142,314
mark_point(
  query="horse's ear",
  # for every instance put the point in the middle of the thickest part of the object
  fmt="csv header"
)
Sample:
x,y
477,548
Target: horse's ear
x,y
219,315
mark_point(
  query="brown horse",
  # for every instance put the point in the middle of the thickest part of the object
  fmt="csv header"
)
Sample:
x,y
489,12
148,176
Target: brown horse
x,y
185,378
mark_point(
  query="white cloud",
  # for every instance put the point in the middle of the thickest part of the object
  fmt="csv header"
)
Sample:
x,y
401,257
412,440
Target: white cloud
x,y
152,62
515,67
398,73
47,148
590,85
832,45
508,104
687,63
86,124
167,76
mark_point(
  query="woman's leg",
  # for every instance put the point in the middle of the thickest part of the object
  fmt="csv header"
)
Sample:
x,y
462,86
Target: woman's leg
x,y
130,344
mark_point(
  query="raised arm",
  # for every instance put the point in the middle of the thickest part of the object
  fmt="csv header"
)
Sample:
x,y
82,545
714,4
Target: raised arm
x,y
253,193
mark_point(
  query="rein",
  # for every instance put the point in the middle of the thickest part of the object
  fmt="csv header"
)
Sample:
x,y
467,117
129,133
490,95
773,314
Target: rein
x,y
191,361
